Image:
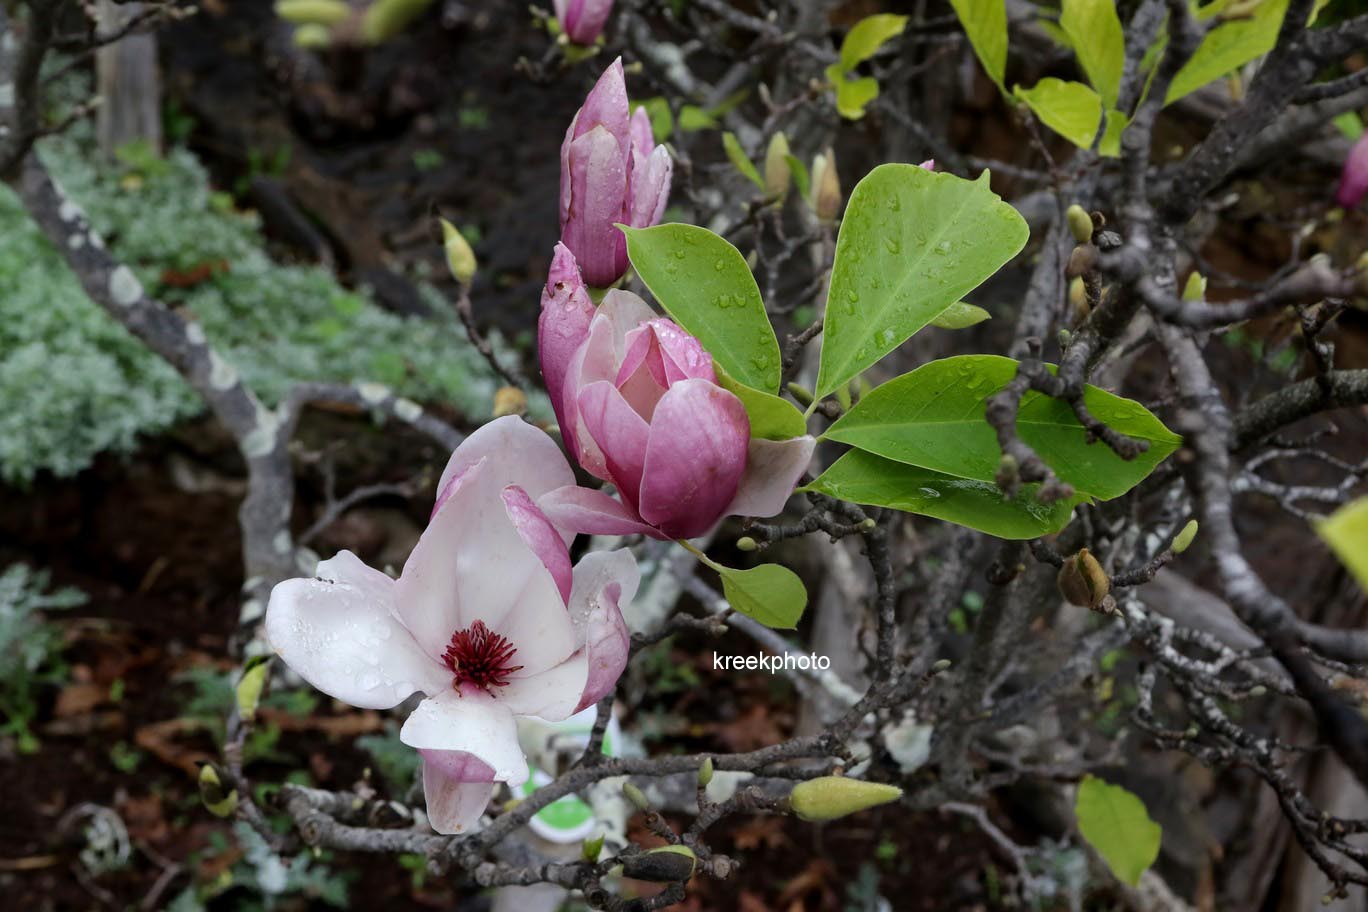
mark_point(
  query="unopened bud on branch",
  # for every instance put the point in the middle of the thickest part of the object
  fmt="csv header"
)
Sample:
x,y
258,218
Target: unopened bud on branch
x,y
667,864
591,848
459,256
1080,223
746,543
833,797
636,796
705,773
1195,287
826,186
220,801
1082,581
777,170
1180,544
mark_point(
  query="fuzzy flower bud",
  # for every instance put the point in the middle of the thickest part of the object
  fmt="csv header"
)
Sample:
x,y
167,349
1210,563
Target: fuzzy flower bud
x,y
777,170
833,797
1184,539
826,186
220,801
460,258
705,773
1080,223
1082,581
666,864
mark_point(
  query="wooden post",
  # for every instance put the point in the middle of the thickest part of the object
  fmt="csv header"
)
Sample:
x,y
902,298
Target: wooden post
x,y
129,83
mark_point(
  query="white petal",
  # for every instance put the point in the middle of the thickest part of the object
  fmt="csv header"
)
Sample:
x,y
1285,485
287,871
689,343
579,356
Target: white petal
x,y
552,694
339,633
524,456
595,571
538,624
473,722
469,564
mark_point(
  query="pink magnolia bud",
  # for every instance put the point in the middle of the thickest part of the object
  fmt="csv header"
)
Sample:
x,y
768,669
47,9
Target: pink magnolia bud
x,y
611,172
1354,180
639,406
583,20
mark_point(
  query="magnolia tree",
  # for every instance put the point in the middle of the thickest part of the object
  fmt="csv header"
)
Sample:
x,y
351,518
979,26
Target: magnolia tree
x,y
697,425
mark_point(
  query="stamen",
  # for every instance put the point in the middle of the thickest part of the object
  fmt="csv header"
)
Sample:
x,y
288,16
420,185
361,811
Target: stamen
x,y
481,657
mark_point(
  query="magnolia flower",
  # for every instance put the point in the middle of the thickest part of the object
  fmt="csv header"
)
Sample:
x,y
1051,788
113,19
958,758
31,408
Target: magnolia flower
x,y
612,172
582,20
1354,180
638,404
488,620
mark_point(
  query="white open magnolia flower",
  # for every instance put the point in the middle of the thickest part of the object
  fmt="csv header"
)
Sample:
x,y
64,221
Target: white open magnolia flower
x,y
488,619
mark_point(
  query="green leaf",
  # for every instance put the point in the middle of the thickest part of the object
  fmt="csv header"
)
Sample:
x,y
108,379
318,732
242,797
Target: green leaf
x,y
1074,111
985,22
961,315
1346,531
692,117
1094,29
1116,824
1349,124
703,282
800,176
771,418
769,593
912,243
868,35
740,159
865,478
852,95
1228,46
933,417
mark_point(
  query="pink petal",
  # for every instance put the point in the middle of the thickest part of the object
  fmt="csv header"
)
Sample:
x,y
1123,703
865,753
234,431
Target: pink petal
x,y
641,377
470,722
453,804
928,165
643,138
598,189
593,512
606,105
683,356
339,633
624,312
773,468
650,189
566,313
592,17
1354,180
695,458
620,433
540,535
592,362
523,455
604,582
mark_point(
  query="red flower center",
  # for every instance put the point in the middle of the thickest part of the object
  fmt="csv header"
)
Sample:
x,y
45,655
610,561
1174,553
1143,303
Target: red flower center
x,y
481,657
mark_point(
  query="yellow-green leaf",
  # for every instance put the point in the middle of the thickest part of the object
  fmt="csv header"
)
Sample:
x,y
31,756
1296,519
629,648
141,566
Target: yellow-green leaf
x,y
1117,825
1094,30
1346,530
1074,111
740,159
868,35
769,593
985,22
